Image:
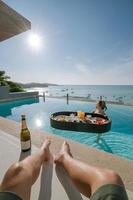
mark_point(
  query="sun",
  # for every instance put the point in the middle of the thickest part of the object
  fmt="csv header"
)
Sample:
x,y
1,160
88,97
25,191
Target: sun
x,y
35,41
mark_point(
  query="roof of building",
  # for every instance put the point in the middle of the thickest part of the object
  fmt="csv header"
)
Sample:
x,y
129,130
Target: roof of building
x,y
11,22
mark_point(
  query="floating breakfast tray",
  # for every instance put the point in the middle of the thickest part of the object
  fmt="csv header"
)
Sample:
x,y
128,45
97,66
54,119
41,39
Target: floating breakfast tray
x,y
92,122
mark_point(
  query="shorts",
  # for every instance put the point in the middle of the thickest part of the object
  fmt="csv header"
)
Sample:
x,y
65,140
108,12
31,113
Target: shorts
x,y
105,192
9,196
110,192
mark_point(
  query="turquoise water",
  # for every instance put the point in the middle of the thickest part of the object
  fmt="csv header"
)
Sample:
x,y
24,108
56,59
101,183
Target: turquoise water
x,y
118,141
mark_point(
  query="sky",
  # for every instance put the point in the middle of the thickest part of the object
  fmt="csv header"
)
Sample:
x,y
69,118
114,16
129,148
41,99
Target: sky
x,y
82,42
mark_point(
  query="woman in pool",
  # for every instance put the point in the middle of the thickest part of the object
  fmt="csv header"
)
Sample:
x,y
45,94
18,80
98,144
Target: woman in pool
x,y
100,108
94,182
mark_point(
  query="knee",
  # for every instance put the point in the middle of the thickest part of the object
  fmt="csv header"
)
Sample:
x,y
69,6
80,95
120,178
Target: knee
x,y
113,177
14,170
16,173
10,175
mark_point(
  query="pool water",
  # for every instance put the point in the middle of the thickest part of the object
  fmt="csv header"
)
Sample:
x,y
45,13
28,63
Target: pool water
x,y
117,141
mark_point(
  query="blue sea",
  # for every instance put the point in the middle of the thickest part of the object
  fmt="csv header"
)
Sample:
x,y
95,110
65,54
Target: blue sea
x,y
115,93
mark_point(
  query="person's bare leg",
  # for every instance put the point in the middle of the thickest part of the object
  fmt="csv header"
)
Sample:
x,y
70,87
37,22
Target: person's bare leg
x,y
87,178
22,175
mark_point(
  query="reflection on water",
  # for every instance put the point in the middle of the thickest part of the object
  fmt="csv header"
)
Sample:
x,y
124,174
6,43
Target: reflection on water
x,y
103,144
38,122
6,108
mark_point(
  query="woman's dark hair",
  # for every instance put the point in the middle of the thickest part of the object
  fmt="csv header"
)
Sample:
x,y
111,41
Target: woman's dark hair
x,y
102,104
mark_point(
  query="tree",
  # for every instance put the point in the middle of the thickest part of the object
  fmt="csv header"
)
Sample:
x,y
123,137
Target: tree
x,y
13,87
3,78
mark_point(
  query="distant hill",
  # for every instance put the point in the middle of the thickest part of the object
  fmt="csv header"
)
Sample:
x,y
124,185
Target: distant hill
x,y
30,85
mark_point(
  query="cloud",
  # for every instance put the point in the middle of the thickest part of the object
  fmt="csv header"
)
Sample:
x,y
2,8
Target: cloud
x,y
82,68
119,72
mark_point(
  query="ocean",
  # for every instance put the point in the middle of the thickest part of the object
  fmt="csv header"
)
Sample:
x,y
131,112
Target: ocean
x,y
114,93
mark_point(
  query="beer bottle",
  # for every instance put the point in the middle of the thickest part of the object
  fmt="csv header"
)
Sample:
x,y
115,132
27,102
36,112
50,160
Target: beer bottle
x,y
25,137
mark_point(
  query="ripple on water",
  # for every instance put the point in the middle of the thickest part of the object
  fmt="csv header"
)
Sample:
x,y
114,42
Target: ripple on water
x,y
111,142
116,144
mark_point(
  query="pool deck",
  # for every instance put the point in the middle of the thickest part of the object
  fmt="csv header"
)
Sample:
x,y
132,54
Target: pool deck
x,y
87,154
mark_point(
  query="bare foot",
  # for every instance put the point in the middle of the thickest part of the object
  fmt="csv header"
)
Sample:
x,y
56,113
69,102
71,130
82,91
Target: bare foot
x,y
65,151
45,149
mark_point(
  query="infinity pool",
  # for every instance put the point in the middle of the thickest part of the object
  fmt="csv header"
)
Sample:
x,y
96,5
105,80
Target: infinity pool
x,y
118,141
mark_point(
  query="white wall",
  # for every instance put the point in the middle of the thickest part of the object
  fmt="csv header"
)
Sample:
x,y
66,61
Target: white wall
x,y
4,92
6,96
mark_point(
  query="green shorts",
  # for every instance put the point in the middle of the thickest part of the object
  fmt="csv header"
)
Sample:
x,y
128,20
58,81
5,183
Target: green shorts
x,y
105,192
110,192
9,196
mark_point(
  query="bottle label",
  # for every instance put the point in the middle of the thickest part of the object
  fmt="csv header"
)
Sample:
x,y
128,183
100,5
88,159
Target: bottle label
x,y
25,145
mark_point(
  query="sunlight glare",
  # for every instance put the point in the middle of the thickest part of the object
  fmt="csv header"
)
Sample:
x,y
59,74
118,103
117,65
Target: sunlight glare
x,y
38,123
35,41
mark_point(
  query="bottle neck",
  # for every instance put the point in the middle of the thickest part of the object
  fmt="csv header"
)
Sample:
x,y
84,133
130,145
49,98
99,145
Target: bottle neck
x,y
24,125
